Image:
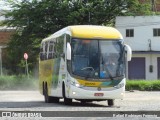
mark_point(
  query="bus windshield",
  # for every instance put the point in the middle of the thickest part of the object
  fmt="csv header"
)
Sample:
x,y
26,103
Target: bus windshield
x,y
98,59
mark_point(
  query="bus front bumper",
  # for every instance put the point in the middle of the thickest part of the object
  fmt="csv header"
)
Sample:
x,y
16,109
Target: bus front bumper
x,y
80,93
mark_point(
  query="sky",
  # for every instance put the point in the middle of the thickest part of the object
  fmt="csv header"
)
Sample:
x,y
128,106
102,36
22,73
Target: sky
x,y
3,6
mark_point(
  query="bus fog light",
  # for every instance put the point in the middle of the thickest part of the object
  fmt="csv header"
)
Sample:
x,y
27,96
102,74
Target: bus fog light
x,y
73,93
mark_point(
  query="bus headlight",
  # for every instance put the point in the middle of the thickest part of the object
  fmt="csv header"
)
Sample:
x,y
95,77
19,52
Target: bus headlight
x,y
73,93
76,84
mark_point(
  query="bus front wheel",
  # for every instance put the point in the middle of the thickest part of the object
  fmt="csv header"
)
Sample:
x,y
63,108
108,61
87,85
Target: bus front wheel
x,y
67,101
110,102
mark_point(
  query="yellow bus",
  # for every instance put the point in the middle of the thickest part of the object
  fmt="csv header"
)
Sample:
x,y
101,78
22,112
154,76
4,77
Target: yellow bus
x,y
83,62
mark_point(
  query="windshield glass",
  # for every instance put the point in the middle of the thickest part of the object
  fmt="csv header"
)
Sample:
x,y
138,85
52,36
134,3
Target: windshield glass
x,y
99,59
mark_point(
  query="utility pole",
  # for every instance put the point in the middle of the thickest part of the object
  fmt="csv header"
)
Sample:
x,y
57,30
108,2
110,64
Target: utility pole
x,y
153,5
1,61
26,68
1,65
89,14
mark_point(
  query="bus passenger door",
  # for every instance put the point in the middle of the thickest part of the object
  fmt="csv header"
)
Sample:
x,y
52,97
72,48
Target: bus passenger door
x,y
62,66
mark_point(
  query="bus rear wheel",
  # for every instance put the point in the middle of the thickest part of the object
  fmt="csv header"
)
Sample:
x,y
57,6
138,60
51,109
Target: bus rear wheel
x,y
110,102
54,100
46,97
49,99
67,101
83,101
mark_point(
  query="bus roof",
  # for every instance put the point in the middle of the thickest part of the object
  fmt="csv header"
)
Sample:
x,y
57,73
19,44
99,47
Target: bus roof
x,y
88,31
93,31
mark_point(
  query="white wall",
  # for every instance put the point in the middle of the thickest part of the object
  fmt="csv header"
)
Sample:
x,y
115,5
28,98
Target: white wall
x,y
150,59
143,31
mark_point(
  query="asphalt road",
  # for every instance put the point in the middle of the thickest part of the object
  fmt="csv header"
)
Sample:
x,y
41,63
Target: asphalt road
x,y
34,101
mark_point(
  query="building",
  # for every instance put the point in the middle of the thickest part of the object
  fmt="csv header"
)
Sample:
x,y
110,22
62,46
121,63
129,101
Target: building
x,y
5,34
155,4
142,33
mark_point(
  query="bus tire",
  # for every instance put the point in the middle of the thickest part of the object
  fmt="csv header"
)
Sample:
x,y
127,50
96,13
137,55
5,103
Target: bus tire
x,y
43,87
83,101
67,101
47,98
54,99
110,102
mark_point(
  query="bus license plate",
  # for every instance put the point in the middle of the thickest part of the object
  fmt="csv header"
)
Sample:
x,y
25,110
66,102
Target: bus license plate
x,y
98,94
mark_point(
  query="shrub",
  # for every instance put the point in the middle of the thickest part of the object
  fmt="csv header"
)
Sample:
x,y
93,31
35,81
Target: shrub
x,y
18,83
143,85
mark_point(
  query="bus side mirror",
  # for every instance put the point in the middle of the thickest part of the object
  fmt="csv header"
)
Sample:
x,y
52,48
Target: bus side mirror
x,y
129,52
68,51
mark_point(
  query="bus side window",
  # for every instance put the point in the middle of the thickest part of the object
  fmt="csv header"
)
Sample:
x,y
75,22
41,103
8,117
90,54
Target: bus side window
x,y
60,46
46,50
55,49
42,53
50,55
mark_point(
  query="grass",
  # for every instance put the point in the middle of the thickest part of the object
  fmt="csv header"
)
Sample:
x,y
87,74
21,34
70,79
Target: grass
x,y
143,85
18,83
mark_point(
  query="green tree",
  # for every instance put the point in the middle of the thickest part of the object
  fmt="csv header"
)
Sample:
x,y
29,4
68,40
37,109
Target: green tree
x,y
36,19
135,8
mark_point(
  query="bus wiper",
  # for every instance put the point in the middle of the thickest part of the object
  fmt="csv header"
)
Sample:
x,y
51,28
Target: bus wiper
x,y
110,76
89,71
90,68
